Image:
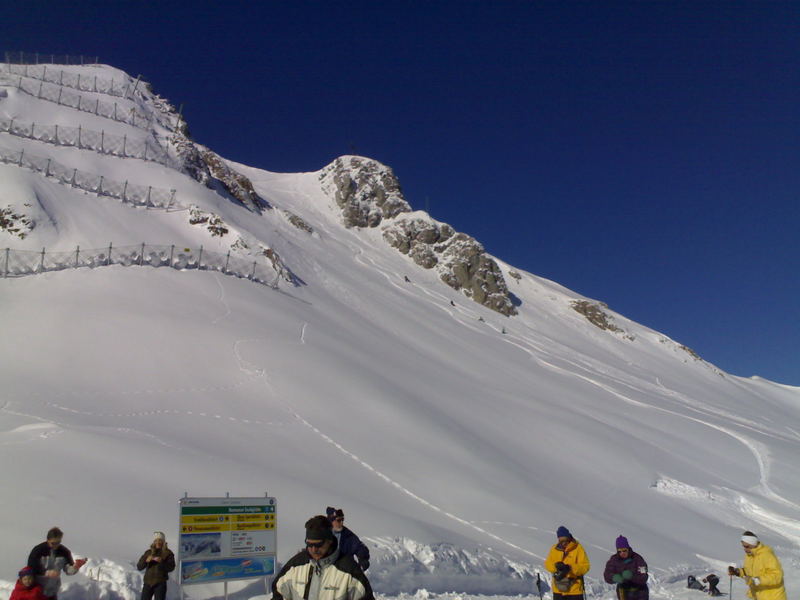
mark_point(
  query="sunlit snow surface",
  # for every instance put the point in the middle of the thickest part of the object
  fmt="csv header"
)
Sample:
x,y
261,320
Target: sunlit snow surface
x,y
454,448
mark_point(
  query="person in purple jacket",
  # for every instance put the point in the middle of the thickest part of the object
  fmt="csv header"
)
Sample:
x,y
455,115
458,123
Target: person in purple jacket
x,y
628,570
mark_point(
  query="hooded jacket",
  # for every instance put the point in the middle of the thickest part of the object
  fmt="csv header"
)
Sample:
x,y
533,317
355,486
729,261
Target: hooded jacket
x,y
574,555
335,577
763,563
27,593
634,587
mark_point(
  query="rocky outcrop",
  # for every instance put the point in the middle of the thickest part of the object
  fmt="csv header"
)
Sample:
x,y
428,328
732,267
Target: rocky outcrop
x,y
369,195
594,313
15,223
237,185
460,260
297,221
213,223
366,191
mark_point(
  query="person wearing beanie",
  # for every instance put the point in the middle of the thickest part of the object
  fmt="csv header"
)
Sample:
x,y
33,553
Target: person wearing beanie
x,y
26,587
761,570
320,571
628,570
349,542
157,562
568,562
49,559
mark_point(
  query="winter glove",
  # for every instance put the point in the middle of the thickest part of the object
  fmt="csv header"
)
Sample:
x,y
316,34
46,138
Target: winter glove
x,y
627,574
562,570
616,578
734,571
755,581
364,564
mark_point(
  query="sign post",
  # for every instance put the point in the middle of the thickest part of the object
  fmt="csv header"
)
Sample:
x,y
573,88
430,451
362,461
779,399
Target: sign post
x,y
226,539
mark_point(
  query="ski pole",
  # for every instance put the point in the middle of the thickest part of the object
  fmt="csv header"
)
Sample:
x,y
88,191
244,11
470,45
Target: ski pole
x,y
730,586
539,584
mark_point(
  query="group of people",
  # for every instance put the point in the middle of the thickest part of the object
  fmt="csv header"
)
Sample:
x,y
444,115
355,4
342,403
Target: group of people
x,y
40,579
332,564
568,563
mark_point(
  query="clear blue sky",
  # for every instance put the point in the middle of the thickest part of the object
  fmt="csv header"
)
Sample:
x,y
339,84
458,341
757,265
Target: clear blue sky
x,y
644,154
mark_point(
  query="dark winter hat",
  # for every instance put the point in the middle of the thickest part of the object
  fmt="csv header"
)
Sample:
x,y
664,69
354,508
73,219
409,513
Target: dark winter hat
x,y
335,514
319,528
25,571
563,532
622,542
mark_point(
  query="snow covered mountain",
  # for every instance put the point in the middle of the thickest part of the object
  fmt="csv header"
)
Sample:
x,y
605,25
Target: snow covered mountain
x,y
318,340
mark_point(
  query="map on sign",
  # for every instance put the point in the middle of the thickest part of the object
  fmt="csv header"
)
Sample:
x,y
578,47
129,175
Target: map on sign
x,y
227,538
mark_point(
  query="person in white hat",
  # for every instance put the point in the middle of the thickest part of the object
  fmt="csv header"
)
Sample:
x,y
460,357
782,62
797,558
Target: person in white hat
x,y
157,562
761,570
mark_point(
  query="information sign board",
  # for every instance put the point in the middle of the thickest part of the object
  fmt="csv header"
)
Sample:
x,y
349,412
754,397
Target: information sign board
x,y
223,539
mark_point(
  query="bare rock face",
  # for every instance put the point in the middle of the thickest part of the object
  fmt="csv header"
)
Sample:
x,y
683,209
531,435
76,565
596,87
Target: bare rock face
x,y
15,223
369,195
237,185
365,190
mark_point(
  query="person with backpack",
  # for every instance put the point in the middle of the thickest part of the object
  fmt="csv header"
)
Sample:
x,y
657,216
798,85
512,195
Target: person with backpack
x,y
628,570
761,570
568,562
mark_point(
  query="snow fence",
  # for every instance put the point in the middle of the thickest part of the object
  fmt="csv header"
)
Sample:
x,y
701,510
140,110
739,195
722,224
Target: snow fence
x,y
138,195
18,263
38,58
65,97
78,81
87,139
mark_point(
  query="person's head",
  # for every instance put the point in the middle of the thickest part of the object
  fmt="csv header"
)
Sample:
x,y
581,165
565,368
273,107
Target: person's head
x,y
26,576
159,540
336,517
623,547
749,541
54,537
564,536
320,541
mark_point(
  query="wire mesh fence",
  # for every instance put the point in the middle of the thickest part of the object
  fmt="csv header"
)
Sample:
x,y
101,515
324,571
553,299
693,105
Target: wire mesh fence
x,y
138,195
19,263
38,58
79,81
109,110
87,139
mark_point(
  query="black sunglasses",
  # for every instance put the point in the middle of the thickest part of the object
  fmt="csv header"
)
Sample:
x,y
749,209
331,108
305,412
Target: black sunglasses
x,y
315,544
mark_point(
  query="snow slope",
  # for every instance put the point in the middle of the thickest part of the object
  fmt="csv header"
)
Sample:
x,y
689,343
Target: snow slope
x,y
443,430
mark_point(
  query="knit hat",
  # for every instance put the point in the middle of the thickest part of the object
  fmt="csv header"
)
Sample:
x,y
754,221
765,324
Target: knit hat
x,y
563,532
334,513
622,542
159,535
319,528
748,537
25,571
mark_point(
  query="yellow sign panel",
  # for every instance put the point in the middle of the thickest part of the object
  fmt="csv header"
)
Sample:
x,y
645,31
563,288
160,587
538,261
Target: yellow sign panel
x,y
255,517
205,528
186,520
251,526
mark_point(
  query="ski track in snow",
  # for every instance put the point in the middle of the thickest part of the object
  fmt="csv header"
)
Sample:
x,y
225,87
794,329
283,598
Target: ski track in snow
x,y
538,353
340,448
221,299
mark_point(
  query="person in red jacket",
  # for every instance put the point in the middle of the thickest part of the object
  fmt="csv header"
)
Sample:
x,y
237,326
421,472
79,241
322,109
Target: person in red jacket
x,y
27,588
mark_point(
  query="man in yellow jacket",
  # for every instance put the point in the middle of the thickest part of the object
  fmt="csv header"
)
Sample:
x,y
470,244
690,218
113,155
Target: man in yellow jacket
x,y
568,563
761,570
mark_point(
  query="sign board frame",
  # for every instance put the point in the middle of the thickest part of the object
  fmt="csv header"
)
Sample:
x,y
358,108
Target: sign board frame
x,y
226,539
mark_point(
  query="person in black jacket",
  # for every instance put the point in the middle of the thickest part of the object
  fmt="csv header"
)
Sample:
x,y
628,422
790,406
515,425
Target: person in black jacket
x,y
349,542
158,562
321,572
48,559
